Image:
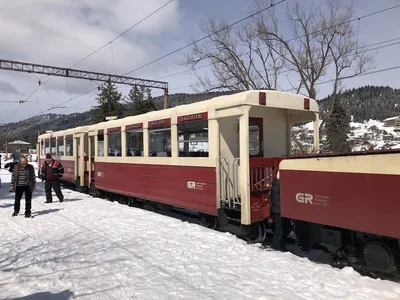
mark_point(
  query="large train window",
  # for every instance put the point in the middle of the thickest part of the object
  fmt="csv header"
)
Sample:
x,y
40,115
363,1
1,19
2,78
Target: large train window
x,y
256,137
100,144
69,148
60,146
134,139
193,137
160,138
114,141
47,146
53,148
42,147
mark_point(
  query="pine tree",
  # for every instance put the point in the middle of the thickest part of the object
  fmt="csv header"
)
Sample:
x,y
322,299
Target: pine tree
x,y
109,100
139,101
337,127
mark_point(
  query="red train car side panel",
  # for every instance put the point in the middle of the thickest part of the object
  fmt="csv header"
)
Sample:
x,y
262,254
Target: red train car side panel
x,y
181,186
69,170
358,201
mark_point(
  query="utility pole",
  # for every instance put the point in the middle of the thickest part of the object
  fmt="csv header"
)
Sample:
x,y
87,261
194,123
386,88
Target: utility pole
x,y
6,148
166,98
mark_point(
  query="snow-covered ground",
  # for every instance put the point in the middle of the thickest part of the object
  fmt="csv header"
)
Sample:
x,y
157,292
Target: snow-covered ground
x,y
89,248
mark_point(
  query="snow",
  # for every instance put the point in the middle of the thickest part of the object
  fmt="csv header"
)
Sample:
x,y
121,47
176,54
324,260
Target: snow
x,y
18,142
371,131
391,118
90,248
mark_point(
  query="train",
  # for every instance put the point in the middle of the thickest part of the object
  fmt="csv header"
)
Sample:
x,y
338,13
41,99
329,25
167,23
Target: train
x,y
218,158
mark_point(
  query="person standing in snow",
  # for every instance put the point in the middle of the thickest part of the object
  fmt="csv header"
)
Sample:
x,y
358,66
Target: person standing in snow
x,y
52,171
282,225
23,180
10,165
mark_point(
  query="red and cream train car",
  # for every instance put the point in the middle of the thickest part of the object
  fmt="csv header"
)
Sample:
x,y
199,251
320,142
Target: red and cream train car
x,y
64,146
218,157
214,157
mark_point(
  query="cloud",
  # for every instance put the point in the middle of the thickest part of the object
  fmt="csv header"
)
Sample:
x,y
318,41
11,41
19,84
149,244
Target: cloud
x,y
8,88
61,33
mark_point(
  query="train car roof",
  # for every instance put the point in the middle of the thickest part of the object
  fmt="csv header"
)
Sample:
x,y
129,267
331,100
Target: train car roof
x,y
274,99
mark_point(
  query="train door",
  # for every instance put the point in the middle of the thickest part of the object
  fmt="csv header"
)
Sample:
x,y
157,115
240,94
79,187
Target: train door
x,y
91,154
77,149
256,137
229,155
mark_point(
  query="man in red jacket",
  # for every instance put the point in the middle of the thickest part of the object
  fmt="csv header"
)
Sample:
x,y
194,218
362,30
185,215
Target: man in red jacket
x,y
52,171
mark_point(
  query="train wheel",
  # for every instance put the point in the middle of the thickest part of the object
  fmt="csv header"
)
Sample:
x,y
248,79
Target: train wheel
x,y
257,233
208,221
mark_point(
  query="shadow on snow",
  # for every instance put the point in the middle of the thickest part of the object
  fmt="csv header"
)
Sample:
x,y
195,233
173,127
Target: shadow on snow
x,y
64,295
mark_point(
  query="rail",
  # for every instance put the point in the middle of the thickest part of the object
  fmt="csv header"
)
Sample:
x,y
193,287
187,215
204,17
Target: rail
x,y
229,178
236,194
262,172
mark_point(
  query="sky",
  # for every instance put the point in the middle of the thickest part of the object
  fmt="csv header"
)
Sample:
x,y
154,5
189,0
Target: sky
x,y
61,33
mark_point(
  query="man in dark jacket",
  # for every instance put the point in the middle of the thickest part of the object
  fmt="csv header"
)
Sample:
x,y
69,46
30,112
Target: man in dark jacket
x,y
52,171
10,165
282,225
23,180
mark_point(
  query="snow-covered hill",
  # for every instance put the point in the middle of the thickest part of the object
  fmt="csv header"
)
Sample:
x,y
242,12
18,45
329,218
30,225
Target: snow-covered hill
x,y
370,134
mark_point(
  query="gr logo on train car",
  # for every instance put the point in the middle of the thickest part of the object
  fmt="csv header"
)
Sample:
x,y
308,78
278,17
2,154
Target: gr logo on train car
x,y
304,198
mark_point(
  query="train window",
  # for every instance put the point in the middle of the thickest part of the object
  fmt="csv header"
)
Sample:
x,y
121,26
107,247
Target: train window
x,y
92,151
254,140
160,141
100,145
193,139
134,143
53,149
114,144
60,147
42,148
69,146
47,146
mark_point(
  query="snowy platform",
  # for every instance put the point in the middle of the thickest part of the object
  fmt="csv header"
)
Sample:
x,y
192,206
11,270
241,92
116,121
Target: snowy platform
x,y
89,248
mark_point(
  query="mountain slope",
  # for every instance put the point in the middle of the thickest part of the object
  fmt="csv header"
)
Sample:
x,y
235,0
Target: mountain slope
x,y
365,103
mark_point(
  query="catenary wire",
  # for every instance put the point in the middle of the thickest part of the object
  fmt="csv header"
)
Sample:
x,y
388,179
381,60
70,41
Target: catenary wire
x,y
188,45
292,39
118,36
258,12
207,36
288,70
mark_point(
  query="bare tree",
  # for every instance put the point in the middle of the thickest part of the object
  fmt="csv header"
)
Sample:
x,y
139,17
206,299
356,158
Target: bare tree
x,y
238,57
323,37
348,59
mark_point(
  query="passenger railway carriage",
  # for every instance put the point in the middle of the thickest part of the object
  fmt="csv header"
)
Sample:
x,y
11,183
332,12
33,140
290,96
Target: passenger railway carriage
x,y
196,156
218,158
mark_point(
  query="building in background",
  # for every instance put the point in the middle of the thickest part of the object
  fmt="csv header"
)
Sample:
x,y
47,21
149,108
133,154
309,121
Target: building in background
x,y
391,122
18,146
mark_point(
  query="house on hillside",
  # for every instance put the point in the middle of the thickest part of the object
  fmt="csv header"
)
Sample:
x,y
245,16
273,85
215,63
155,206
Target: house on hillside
x,y
366,146
391,122
18,146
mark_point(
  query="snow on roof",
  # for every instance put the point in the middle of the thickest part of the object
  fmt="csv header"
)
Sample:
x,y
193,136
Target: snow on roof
x,y
391,118
19,143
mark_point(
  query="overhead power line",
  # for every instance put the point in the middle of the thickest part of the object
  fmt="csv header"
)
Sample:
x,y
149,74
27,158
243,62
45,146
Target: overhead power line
x,y
207,36
359,51
118,36
290,40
